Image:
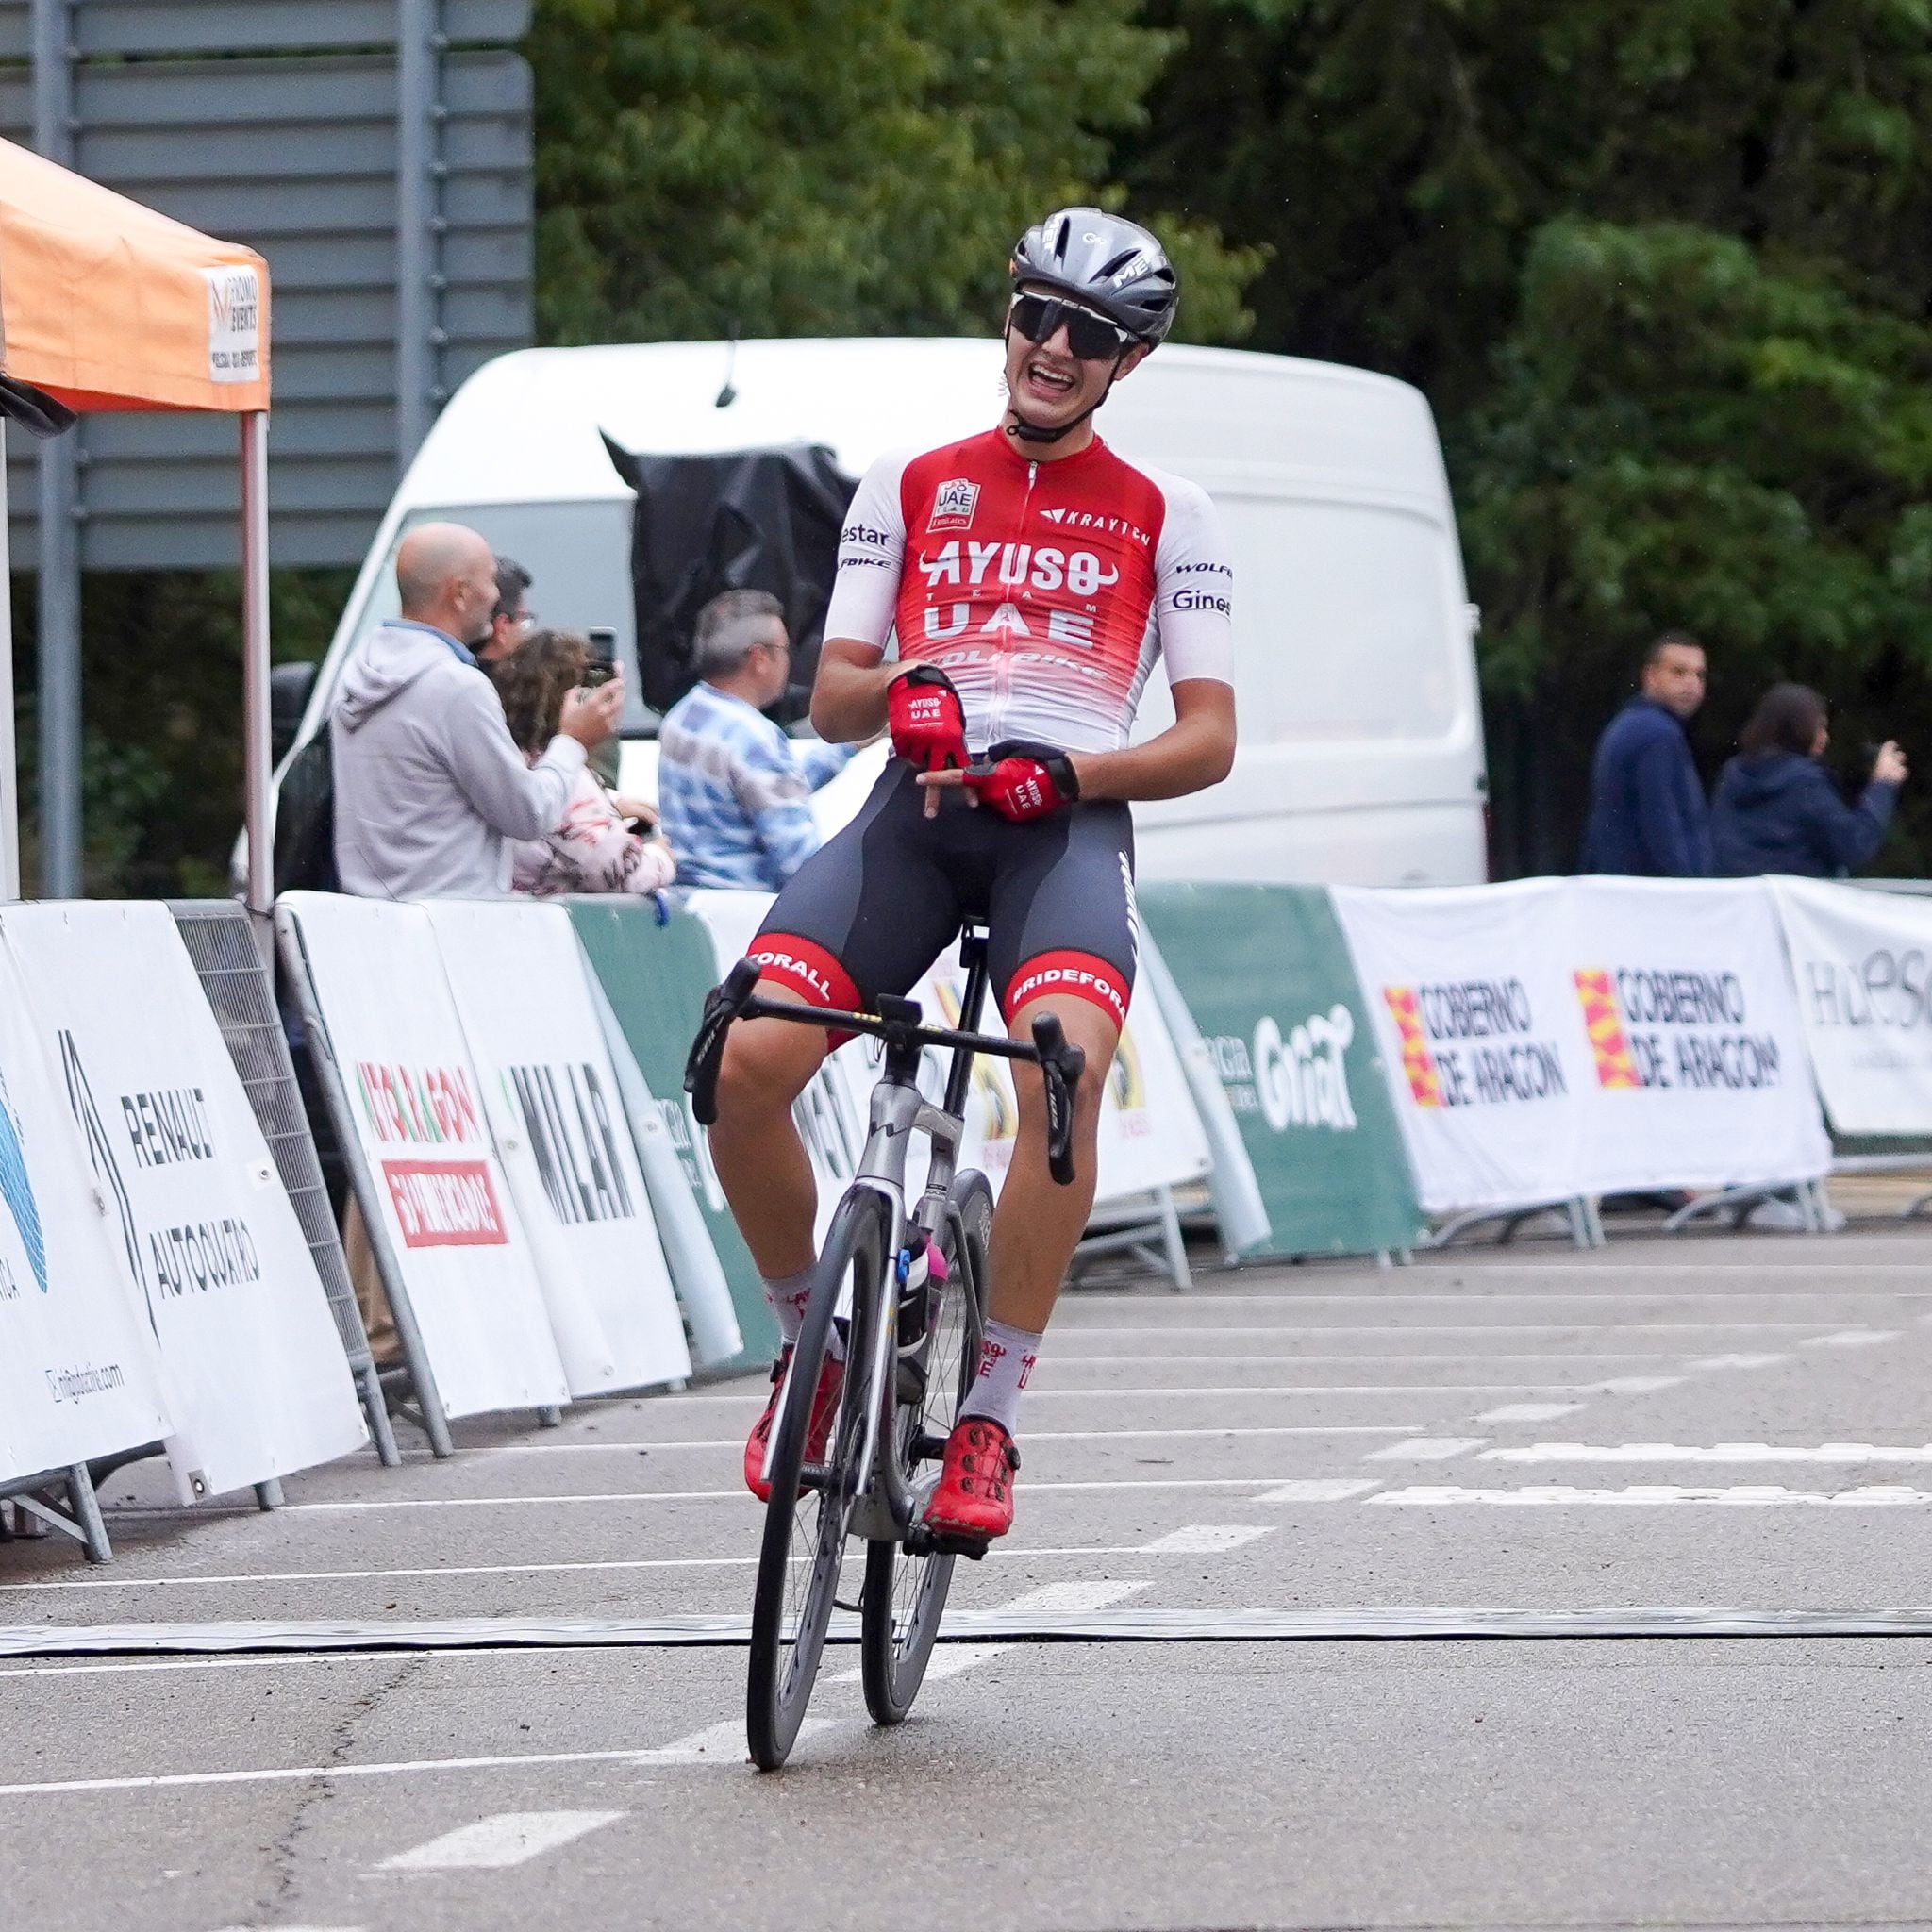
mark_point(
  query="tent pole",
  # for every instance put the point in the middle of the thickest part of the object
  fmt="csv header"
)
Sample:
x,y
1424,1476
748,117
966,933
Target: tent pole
x,y
256,759
57,639
58,629
9,761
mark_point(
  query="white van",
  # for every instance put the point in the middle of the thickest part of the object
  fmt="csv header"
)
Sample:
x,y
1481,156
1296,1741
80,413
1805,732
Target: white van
x,y
1361,756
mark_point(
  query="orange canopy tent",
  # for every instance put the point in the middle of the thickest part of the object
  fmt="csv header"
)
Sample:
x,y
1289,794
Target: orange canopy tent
x,y
107,305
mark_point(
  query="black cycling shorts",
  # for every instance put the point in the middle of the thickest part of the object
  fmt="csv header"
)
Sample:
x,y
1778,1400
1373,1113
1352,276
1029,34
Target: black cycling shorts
x,y
878,904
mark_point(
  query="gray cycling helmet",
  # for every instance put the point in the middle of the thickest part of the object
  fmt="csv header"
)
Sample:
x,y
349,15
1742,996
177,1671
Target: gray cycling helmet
x,y
1105,262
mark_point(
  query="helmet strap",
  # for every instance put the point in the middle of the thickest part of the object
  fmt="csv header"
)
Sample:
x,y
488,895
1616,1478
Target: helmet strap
x,y
1023,431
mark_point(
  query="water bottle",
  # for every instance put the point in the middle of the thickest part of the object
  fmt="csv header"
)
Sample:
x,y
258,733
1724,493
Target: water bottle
x,y
923,1276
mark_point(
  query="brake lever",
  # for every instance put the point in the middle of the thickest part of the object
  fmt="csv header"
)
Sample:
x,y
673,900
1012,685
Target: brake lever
x,y
1060,1067
722,1005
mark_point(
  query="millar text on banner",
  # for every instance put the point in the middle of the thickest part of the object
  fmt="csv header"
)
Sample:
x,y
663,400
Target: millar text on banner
x,y
552,1096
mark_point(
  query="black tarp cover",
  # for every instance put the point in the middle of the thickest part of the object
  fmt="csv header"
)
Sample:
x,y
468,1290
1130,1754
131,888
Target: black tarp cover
x,y
756,519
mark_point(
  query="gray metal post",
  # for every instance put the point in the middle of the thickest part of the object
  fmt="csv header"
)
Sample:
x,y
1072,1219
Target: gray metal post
x,y
419,49
256,759
10,752
58,627
87,1514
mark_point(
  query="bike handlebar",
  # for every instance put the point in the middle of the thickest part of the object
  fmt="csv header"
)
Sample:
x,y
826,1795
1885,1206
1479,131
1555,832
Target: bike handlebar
x,y
1060,1063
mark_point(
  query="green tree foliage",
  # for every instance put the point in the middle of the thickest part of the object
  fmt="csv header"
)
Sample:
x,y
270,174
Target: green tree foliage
x,y
1664,268
828,167
161,692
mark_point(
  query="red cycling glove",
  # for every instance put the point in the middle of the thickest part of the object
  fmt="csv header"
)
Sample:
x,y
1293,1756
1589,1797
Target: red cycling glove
x,y
925,717
1028,781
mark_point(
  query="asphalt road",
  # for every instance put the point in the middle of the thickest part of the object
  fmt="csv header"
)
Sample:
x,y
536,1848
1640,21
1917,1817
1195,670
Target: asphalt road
x,y
1740,1423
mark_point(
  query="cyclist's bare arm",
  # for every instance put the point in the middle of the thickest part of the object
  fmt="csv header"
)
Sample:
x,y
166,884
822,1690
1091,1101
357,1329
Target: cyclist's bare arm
x,y
1195,751
848,695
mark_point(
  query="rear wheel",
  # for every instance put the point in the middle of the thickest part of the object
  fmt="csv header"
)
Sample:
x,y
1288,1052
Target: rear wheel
x,y
811,1502
905,1594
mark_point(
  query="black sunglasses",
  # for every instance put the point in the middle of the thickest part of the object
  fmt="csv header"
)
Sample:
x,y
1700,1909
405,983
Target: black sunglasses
x,y
1091,337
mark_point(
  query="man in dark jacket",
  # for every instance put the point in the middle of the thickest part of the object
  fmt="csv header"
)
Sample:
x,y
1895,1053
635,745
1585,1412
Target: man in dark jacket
x,y
1647,815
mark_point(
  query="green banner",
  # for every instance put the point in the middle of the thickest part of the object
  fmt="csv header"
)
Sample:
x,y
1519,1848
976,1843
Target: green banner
x,y
1266,974
655,977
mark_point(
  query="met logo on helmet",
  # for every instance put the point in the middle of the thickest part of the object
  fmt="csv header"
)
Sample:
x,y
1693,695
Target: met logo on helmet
x,y
952,503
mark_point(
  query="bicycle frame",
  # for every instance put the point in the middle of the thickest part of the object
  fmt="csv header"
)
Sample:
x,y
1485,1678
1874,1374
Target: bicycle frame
x,y
885,1504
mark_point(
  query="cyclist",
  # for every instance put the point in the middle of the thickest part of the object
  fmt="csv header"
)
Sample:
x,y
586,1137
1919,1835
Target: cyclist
x,y
1032,577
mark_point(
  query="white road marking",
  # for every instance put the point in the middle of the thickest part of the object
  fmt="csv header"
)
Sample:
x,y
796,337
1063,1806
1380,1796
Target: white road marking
x,y
1410,1328
1426,1449
1033,1436
1075,1595
686,1750
1752,1496
1212,1298
1528,1411
1384,1356
1036,1394
997,1552
949,1661
1737,1362
1851,1338
1207,1539
494,1843
1640,1385
1830,1452
1316,1490
1033,1488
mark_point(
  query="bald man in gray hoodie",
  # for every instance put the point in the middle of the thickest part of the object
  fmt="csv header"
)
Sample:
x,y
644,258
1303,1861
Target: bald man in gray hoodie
x,y
431,791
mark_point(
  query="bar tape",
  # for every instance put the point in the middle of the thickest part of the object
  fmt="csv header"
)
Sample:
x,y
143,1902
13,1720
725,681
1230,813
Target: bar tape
x,y
1176,1626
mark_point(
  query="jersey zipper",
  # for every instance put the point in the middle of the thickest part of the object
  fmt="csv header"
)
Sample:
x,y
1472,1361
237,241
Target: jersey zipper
x,y
1003,667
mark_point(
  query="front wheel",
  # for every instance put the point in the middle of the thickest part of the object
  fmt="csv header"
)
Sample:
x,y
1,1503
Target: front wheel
x,y
905,1595
812,1500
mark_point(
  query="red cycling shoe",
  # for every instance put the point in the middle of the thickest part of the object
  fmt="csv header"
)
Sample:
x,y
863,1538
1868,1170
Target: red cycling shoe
x,y
975,1499
824,1407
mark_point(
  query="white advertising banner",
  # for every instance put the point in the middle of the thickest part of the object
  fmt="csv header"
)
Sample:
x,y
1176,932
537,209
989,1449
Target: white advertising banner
x,y
1698,1062
80,1373
1562,1036
553,1099
1863,961
212,1248
1150,1133
1476,1023
416,1106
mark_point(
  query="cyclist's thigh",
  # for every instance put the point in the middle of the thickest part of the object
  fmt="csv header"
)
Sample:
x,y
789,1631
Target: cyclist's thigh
x,y
871,910
1062,917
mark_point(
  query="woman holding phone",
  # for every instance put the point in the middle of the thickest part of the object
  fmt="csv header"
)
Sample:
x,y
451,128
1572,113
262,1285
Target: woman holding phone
x,y
596,848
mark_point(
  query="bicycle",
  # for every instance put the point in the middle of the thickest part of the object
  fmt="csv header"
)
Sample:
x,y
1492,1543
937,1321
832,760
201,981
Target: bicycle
x,y
911,1353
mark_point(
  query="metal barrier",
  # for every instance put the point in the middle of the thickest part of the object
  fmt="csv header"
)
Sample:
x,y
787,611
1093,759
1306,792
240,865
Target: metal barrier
x,y
220,938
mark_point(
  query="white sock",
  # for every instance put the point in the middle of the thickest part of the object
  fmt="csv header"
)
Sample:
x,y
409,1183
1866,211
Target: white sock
x,y
787,1298
1007,1356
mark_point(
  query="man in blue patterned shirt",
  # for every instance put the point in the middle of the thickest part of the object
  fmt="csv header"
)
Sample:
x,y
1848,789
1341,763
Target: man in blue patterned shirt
x,y
734,793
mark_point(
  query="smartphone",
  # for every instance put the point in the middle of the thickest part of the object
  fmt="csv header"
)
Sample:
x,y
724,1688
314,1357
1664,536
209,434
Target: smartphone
x,y
603,664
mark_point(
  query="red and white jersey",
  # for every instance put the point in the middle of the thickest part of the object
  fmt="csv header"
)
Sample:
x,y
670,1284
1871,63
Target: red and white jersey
x,y
1044,591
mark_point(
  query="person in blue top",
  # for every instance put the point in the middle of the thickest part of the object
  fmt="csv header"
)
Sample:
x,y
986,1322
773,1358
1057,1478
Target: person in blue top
x,y
734,792
1777,808
1647,815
